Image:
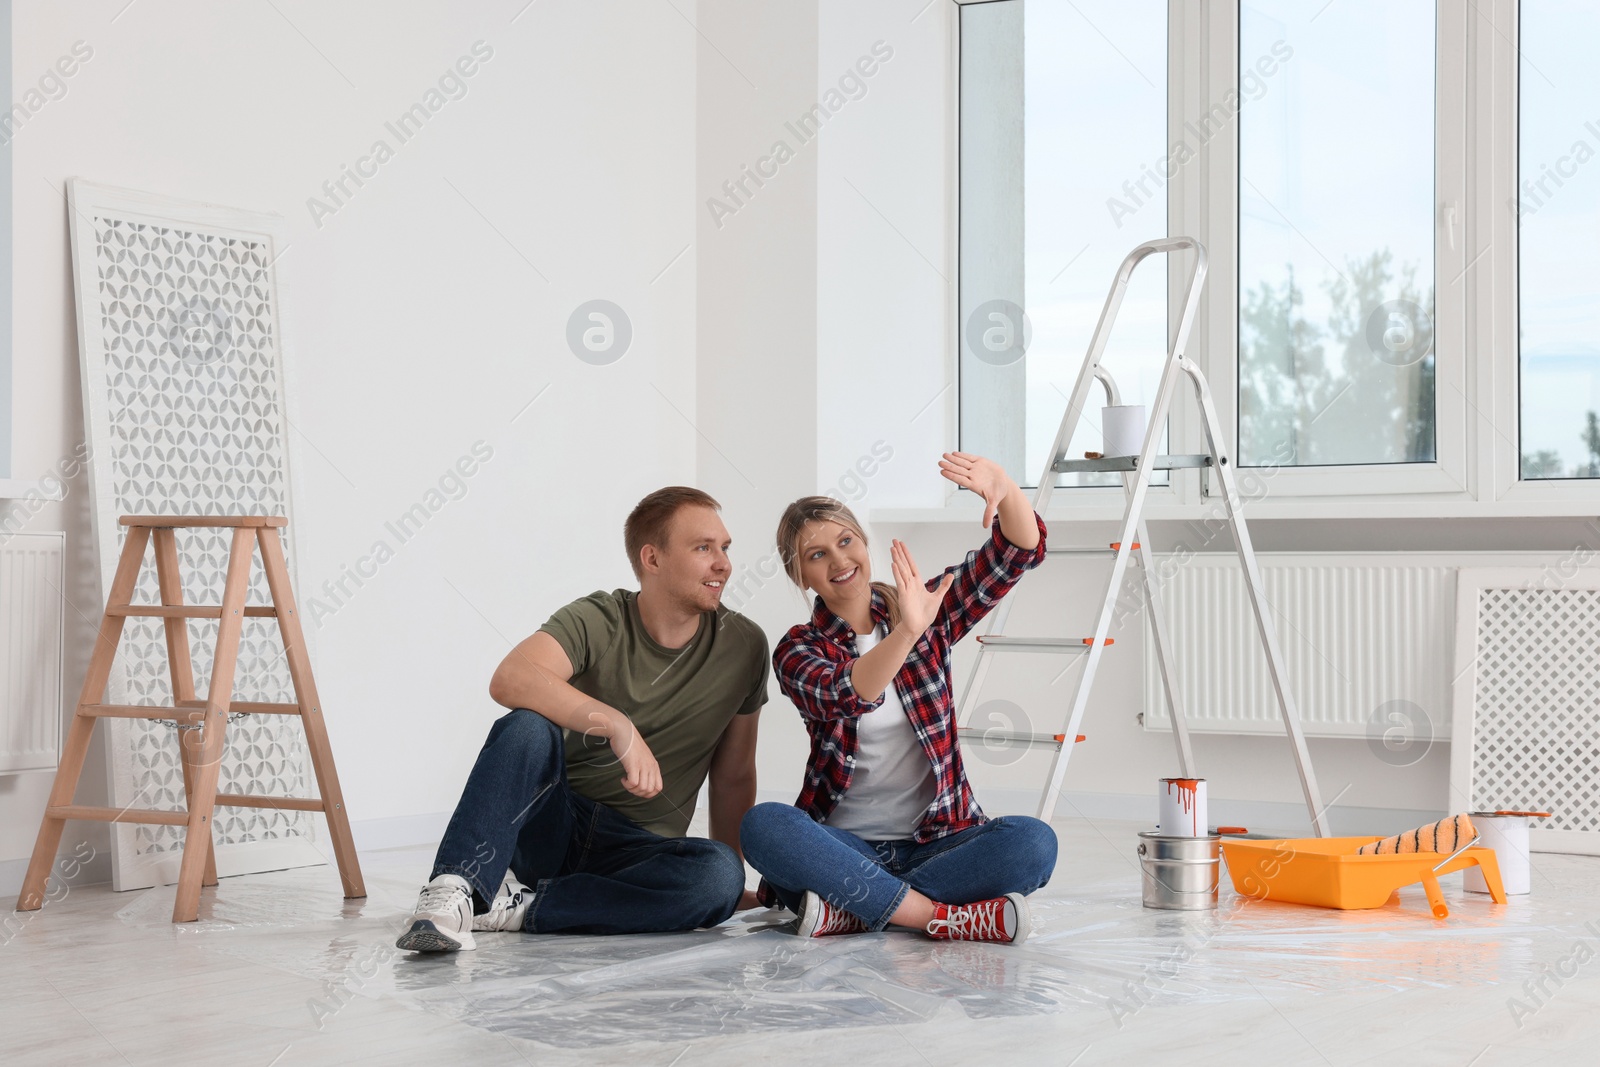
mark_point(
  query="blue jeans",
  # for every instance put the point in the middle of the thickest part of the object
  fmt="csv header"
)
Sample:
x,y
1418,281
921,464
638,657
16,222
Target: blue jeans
x,y
869,879
592,870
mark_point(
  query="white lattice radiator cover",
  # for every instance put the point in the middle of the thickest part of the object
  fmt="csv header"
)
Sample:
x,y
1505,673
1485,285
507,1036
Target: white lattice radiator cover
x,y
183,400
1527,700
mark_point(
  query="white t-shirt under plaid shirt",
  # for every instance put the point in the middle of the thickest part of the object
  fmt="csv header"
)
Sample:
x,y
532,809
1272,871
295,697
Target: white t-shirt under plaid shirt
x,y
893,783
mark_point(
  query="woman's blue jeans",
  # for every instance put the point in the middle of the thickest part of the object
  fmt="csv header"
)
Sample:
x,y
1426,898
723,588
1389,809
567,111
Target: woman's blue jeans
x,y
593,871
869,879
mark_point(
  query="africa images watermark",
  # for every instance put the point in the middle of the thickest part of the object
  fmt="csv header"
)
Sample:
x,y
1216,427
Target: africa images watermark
x,y
851,487
50,86
451,85
1540,990
54,485
1536,191
451,486
57,887
1252,86
852,85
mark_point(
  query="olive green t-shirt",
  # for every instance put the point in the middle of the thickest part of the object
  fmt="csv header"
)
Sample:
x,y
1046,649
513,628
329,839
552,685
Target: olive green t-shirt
x,y
680,699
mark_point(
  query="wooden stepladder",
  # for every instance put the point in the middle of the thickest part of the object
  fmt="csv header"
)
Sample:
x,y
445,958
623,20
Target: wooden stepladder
x,y
1134,544
201,723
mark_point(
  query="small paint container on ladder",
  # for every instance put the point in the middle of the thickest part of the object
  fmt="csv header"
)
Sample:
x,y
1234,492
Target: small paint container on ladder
x,y
1122,429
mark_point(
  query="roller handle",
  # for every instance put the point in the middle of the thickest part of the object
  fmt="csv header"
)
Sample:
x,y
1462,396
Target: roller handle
x,y
1430,884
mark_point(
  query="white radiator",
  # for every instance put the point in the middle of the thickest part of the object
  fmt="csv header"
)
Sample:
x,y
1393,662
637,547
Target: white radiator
x,y
30,651
1367,639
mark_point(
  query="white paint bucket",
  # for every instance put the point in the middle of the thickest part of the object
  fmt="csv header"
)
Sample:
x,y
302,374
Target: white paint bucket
x,y
1182,807
1122,429
1508,836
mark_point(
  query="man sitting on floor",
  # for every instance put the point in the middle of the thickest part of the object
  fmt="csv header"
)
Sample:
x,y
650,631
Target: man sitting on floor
x,y
622,703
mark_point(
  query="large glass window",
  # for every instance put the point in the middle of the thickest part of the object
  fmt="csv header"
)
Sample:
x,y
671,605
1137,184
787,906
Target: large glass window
x,y
1097,167
1074,97
1558,227
1336,232
1412,308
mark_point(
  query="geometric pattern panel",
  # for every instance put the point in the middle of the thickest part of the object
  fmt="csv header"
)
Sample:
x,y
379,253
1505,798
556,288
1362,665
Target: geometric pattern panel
x,y
192,424
1536,735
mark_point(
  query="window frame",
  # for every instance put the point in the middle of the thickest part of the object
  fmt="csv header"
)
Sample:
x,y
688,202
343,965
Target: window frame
x,y
1502,454
1477,472
1449,474
1173,492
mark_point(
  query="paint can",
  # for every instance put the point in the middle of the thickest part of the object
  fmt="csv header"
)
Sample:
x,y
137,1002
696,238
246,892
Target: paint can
x,y
1179,873
1507,834
1182,810
1122,429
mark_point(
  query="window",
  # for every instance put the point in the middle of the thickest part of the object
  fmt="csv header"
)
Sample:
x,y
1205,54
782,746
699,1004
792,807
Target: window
x,y
1336,233
1558,225
1400,199
1090,147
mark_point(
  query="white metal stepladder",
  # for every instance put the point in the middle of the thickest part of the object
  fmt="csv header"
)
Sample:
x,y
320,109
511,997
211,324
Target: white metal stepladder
x,y
1135,472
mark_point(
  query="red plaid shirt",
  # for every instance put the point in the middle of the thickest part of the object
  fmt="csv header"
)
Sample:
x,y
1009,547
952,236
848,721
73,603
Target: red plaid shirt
x,y
813,663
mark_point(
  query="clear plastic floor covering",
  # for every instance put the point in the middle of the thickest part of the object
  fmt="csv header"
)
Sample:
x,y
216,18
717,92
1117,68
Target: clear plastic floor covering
x,y
280,965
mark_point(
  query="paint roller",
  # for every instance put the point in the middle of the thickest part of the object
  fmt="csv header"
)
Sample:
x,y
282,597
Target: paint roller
x,y
1447,835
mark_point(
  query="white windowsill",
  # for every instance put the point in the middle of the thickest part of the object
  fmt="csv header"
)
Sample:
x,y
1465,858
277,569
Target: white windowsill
x,y
18,488
1304,508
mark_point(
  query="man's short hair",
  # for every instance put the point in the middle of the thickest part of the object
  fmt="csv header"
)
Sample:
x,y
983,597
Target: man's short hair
x,y
648,521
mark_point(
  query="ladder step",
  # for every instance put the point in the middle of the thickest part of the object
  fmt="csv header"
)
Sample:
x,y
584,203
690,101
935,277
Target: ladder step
x,y
185,611
189,710
255,707
1128,463
248,707
245,800
94,814
980,734
141,711
1079,550
1039,644
185,522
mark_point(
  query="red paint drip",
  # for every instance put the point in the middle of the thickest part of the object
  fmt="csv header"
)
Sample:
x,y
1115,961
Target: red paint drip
x,y
1187,799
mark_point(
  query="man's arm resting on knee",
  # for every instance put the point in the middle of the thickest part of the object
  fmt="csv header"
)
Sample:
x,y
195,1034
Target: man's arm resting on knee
x,y
733,785
535,676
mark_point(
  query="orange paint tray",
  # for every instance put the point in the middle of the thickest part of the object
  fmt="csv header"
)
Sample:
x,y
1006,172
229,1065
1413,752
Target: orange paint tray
x,y
1327,873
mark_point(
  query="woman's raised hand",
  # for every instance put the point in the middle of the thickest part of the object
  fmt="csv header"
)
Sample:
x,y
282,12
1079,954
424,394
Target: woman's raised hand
x,y
983,476
918,606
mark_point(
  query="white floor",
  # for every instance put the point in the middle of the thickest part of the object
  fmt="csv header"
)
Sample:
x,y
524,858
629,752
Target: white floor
x,y
280,970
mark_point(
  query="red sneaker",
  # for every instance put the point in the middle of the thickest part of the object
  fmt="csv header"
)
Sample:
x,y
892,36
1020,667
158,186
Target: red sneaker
x,y
1003,919
818,918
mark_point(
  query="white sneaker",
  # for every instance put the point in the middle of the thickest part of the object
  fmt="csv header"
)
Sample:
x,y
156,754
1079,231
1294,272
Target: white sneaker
x,y
442,921
508,907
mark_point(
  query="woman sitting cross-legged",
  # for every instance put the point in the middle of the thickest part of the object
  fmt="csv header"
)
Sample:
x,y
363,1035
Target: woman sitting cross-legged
x,y
886,830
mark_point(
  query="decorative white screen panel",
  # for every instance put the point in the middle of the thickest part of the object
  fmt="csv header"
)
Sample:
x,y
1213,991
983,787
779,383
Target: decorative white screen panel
x,y
1527,701
180,345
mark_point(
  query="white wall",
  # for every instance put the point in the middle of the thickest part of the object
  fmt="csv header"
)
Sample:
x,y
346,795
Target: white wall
x,y
413,327
757,313
885,192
